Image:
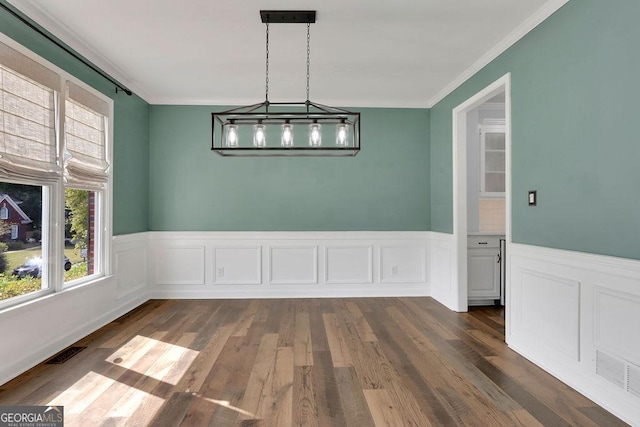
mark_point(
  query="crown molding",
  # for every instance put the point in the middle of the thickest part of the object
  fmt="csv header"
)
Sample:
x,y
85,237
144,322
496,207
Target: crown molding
x,y
523,29
240,102
58,29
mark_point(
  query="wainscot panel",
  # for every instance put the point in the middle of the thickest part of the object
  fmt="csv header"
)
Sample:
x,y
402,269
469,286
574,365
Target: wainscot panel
x,y
577,316
444,287
349,264
288,264
130,263
237,265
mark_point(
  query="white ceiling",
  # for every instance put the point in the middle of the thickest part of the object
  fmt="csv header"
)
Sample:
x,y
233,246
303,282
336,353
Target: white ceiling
x,y
403,53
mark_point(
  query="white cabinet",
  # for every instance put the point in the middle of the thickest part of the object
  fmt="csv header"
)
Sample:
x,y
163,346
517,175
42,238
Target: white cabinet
x,y
492,160
483,268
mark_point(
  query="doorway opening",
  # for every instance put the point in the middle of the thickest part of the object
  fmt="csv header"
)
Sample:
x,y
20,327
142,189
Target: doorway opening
x,y
481,194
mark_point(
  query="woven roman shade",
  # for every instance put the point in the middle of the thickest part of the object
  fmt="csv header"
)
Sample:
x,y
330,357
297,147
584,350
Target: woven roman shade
x,y
27,118
85,154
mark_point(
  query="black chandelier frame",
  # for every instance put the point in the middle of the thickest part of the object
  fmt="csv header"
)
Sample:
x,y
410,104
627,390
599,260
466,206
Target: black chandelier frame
x,y
269,113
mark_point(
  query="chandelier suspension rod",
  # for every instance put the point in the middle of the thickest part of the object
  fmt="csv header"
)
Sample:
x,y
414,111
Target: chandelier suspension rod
x,y
308,55
266,80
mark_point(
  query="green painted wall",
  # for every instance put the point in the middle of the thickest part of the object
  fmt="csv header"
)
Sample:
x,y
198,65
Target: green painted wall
x,y
385,187
131,130
575,106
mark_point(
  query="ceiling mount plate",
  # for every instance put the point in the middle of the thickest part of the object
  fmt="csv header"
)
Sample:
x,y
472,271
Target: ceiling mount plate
x,y
288,16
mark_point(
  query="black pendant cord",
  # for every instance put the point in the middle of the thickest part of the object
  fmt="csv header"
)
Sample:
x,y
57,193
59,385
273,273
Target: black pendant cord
x,y
119,87
266,70
308,63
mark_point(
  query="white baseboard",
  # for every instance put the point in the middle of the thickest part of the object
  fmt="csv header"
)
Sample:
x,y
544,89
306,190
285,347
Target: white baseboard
x,y
289,292
566,308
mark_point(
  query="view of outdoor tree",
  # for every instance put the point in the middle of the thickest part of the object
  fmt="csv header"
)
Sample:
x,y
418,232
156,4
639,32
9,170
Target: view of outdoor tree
x,y
77,201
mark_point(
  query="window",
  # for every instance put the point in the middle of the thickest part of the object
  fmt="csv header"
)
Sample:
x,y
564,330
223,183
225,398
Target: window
x,y
14,231
85,173
54,166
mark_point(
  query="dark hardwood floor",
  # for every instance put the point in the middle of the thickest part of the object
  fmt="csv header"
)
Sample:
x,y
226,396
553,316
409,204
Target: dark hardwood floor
x,y
321,362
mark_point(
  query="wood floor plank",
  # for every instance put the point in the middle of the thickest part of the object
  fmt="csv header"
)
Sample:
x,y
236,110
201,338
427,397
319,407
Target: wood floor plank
x,y
340,353
328,402
196,374
286,330
225,382
363,328
384,412
304,407
303,346
318,332
356,411
261,379
279,410
246,319
308,362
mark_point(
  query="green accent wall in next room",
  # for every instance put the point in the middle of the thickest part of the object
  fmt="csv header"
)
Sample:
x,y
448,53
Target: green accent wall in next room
x,y
384,187
575,107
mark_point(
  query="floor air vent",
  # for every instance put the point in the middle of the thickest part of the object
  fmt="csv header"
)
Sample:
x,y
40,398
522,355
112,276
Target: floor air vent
x,y
610,368
64,355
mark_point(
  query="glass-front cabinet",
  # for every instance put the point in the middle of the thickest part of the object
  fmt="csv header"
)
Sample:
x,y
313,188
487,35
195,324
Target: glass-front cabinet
x,y
492,161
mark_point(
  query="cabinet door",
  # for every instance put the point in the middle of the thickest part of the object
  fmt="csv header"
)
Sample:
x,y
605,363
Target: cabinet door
x,y
492,161
483,274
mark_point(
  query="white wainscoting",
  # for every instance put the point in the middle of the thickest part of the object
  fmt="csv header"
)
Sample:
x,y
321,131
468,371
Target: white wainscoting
x,y
442,270
36,330
578,316
130,263
288,264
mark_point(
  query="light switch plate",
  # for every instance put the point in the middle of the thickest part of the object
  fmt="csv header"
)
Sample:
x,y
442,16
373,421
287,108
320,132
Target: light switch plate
x,y
533,198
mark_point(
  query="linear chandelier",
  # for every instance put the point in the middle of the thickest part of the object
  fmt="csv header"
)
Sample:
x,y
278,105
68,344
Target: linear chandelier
x,y
302,128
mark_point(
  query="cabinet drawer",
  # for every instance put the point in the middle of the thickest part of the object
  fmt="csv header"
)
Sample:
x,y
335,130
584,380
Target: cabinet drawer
x,y
483,242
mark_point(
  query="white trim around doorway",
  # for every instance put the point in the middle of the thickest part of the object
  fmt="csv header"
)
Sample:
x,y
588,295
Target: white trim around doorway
x,y
457,299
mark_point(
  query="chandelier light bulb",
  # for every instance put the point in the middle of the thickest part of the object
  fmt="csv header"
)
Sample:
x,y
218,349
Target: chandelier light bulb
x,y
341,134
259,136
232,135
287,134
315,135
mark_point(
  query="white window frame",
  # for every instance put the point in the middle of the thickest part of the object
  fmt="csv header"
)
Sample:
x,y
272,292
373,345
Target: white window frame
x,y
53,220
4,212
